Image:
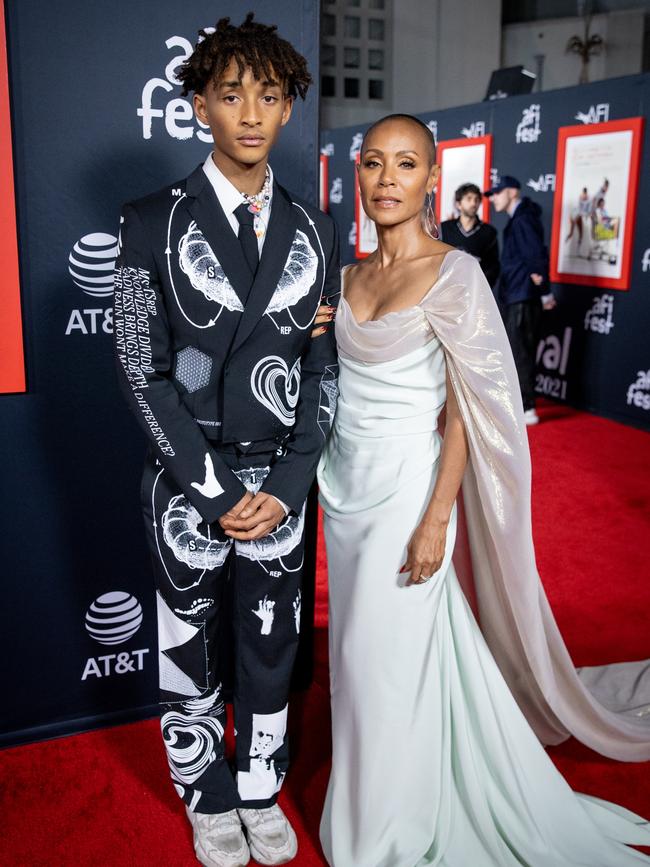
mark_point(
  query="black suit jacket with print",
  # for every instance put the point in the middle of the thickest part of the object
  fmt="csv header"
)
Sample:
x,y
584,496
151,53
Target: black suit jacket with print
x,y
204,357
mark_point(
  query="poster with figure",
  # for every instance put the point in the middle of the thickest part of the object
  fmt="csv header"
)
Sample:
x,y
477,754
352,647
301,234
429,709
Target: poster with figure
x,y
462,161
366,240
595,202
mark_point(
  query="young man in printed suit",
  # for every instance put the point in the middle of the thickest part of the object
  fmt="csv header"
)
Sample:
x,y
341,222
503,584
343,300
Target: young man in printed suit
x,y
217,284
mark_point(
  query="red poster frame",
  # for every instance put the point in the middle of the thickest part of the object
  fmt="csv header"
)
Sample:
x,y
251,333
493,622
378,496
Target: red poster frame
x,y
635,126
359,254
12,357
323,181
487,169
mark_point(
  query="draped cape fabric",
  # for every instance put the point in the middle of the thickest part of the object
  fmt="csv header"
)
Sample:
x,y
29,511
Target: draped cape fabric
x,y
606,707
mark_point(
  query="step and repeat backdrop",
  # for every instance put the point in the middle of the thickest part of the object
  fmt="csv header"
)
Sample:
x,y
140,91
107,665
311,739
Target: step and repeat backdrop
x,y
97,119
581,152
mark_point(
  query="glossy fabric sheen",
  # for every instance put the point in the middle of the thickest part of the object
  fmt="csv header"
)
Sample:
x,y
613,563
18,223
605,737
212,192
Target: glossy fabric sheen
x,y
433,760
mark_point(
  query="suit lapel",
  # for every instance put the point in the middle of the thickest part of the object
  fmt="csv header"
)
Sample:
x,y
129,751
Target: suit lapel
x,y
206,210
277,244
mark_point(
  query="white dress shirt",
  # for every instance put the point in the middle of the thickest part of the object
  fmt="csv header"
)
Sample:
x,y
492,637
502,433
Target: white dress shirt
x,y
231,198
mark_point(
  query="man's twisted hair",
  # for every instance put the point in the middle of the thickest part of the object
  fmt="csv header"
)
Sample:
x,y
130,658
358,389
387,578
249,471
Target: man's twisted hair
x,y
251,44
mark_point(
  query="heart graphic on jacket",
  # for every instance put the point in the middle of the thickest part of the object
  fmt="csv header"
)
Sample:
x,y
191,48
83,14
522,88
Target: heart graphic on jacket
x,y
276,387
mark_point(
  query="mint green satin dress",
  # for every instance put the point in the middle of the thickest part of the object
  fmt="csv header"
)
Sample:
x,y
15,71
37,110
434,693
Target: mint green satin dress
x,y
433,761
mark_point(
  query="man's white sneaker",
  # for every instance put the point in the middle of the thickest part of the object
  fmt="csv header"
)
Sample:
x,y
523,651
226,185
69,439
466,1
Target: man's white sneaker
x,y
531,417
219,839
271,838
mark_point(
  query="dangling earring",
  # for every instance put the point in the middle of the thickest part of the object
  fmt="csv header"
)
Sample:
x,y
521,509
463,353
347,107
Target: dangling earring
x,y
429,223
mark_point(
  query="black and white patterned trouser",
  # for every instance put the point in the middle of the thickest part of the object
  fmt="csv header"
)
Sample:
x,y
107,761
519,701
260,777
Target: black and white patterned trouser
x,y
207,587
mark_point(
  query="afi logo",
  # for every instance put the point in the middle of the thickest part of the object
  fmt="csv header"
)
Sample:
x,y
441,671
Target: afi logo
x,y
638,392
178,114
352,234
543,184
601,316
474,130
336,191
494,176
433,126
328,149
528,128
355,145
645,261
596,114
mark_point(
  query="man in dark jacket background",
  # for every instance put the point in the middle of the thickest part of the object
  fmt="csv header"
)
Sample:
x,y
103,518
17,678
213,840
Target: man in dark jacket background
x,y
523,285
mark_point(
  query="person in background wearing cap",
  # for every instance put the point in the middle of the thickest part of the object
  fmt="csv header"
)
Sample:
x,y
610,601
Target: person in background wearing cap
x,y
471,234
523,284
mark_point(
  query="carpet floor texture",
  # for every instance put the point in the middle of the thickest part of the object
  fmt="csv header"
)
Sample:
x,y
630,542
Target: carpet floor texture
x,y
104,799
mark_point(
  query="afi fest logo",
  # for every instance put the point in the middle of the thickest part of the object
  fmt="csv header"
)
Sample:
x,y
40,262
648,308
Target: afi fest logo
x,y
645,261
600,318
176,113
114,618
638,392
543,184
528,128
355,145
553,356
596,114
433,126
328,149
474,130
91,264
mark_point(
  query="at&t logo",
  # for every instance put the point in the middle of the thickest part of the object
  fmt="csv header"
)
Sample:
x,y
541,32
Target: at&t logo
x,y
177,114
543,184
596,113
91,264
601,316
114,618
528,128
474,130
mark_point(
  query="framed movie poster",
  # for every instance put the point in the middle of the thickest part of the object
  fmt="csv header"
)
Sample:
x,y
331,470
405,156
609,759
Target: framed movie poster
x,y
366,240
323,190
462,161
597,178
12,369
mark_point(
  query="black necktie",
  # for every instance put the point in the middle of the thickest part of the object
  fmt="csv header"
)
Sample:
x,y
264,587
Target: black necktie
x,y
247,237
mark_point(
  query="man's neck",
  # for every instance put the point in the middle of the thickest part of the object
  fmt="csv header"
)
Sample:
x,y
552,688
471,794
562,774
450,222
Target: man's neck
x,y
248,179
468,223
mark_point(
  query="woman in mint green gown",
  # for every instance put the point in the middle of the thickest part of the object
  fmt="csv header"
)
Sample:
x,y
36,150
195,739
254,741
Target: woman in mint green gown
x,y
438,724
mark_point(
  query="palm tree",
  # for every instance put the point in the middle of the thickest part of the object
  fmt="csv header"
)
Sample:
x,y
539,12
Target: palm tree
x,y
587,47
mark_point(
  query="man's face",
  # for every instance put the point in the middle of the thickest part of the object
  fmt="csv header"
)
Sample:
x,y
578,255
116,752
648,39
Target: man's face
x,y
469,205
502,199
244,115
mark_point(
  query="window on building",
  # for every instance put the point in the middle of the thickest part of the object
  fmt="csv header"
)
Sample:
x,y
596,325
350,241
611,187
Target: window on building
x,y
375,58
375,88
328,55
329,25
352,58
376,4
375,28
351,88
328,85
352,26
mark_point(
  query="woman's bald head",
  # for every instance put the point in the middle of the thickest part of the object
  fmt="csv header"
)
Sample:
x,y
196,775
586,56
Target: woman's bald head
x,y
414,129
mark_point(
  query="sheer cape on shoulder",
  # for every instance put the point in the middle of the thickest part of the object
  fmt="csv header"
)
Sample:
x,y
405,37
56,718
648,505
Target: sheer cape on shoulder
x,y
605,707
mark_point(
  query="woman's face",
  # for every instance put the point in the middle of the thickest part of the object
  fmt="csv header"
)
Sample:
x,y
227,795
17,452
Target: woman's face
x,y
396,172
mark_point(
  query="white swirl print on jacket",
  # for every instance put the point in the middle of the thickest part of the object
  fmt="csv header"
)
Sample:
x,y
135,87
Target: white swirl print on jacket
x,y
298,277
197,260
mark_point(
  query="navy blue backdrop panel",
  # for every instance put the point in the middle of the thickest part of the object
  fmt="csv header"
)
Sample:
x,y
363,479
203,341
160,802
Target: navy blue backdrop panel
x,y
97,120
595,352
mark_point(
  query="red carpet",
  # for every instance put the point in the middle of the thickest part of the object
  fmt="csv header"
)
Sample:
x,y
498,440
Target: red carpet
x,y
105,799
